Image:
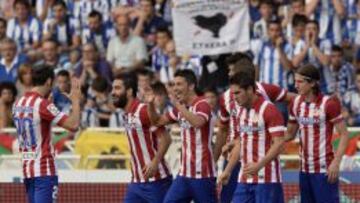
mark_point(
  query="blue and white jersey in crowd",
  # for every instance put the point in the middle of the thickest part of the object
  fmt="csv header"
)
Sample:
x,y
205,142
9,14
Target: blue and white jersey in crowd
x,y
351,101
89,118
62,64
115,3
329,21
101,39
10,73
117,119
259,30
339,81
25,35
158,59
63,33
61,101
86,6
352,23
267,58
194,64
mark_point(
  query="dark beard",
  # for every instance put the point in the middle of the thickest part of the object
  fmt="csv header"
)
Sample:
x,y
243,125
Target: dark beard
x,y
121,101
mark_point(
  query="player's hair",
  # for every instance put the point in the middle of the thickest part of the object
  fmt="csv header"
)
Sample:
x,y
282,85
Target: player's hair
x,y
8,86
22,2
159,88
189,77
41,73
129,80
145,72
95,13
357,72
59,3
210,89
311,74
63,73
164,29
299,19
100,84
242,63
243,79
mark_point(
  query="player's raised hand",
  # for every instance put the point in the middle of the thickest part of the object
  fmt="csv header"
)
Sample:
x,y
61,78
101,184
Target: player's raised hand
x,y
224,178
75,92
151,169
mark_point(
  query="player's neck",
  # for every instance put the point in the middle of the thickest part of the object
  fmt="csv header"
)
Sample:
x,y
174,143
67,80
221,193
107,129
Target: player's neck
x,y
40,90
310,97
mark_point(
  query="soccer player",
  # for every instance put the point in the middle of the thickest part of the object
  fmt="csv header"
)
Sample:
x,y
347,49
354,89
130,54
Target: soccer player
x,y
224,140
151,176
33,116
196,179
261,137
315,116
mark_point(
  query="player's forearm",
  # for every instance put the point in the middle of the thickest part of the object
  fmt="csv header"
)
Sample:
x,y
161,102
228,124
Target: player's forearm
x,y
153,115
195,120
344,139
74,118
275,149
234,158
220,141
164,144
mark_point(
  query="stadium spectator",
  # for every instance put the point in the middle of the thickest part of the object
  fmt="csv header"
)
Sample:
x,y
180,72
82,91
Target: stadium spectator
x,y
147,22
24,28
11,60
126,51
52,58
103,104
61,89
62,28
342,73
158,56
297,7
8,94
329,14
86,6
298,26
259,31
92,66
351,102
24,82
173,61
98,32
45,9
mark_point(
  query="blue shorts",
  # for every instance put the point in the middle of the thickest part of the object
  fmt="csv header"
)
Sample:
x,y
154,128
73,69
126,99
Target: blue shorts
x,y
228,190
314,187
259,193
149,192
42,189
186,189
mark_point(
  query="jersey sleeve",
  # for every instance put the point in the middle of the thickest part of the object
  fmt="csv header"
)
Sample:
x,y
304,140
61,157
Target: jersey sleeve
x,y
49,112
203,109
223,113
275,93
172,114
333,110
274,121
292,118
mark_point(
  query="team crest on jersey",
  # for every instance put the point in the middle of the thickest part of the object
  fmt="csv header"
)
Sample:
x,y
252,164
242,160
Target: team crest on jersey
x,y
53,110
184,123
130,122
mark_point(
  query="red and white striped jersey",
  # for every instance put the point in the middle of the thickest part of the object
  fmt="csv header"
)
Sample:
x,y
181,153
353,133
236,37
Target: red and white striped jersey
x,y
257,126
33,116
316,122
197,159
143,142
229,107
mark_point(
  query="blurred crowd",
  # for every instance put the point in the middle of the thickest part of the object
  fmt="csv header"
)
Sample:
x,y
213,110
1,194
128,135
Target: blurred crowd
x,y
95,40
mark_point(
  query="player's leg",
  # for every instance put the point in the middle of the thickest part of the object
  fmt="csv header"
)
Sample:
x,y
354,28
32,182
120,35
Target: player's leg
x,y
244,193
46,189
154,192
179,191
269,193
30,189
204,190
133,193
227,191
306,191
321,186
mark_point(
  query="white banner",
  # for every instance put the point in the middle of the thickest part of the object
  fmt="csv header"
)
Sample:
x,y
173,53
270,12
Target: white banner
x,y
210,27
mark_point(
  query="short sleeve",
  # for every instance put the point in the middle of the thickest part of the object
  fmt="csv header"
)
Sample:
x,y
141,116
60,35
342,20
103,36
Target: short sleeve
x,y
333,110
172,114
275,93
203,109
49,112
274,121
292,118
223,113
